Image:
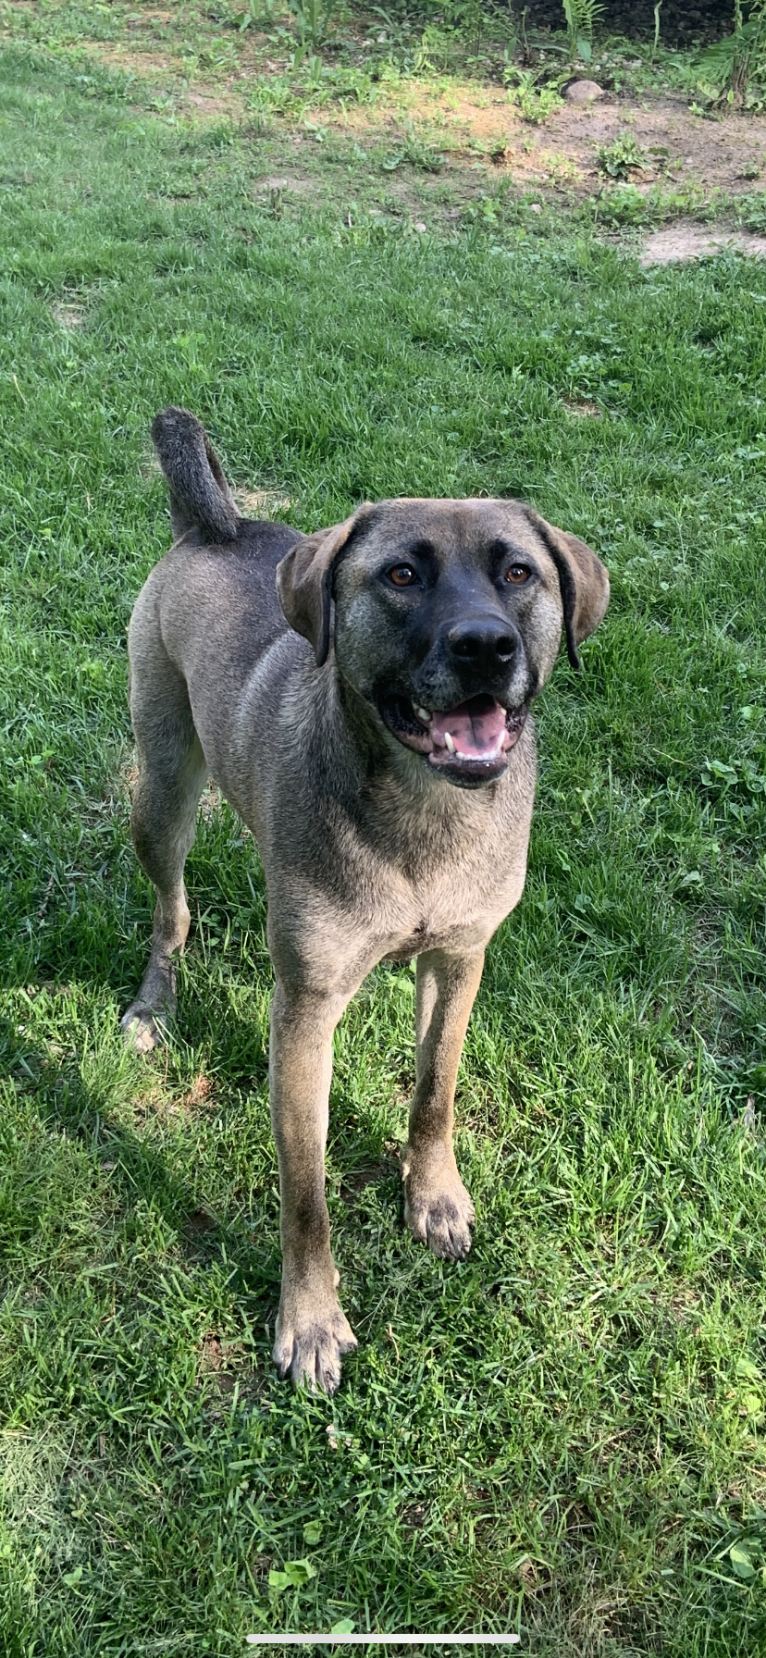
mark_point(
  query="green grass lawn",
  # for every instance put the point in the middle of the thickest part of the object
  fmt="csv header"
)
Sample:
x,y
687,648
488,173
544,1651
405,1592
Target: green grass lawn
x,y
563,1435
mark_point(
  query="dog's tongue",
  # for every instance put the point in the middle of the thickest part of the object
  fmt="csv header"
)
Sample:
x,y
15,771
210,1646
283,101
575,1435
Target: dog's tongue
x,y
475,727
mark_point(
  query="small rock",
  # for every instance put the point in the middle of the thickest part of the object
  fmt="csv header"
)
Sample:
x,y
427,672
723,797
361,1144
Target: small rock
x,y
534,207
583,92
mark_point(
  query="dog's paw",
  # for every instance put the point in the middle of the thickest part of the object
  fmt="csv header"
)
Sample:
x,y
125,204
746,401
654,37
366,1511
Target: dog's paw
x,y
143,1028
310,1342
437,1207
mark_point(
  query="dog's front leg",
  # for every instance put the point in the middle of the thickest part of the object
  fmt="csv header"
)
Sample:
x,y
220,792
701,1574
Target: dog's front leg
x,y
312,1329
437,1207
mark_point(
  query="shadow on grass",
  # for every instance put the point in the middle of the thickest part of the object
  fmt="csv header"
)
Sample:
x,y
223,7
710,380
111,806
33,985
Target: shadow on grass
x,y
141,1171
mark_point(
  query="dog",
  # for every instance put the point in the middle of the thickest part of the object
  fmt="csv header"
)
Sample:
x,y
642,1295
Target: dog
x,y
361,696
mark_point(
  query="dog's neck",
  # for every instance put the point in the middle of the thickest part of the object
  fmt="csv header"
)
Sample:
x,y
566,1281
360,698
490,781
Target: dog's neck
x,y
389,793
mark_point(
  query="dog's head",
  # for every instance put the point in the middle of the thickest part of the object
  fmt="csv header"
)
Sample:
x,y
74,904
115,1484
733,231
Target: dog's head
x,y
445,618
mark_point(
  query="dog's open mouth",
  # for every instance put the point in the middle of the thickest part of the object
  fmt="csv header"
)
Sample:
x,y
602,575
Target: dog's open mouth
x,y
471,740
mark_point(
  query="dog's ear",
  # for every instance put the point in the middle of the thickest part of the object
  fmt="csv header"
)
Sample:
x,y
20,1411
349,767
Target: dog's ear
x,y
304,580
583,579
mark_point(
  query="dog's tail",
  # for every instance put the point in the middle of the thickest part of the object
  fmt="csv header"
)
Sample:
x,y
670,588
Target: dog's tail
x,y
200,498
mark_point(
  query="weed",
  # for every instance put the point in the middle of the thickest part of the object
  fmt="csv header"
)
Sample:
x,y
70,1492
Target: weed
x,y
621,157
751,211
314,18
535,102
258,15
733,70
625,205
439,49
581,19
462,25
414,153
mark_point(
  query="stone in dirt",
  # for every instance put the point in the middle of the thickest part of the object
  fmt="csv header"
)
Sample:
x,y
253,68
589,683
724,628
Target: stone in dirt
x,y
583,92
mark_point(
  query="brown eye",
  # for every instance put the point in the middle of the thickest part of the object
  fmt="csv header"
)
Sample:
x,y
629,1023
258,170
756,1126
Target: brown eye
x,y
402,575
517,574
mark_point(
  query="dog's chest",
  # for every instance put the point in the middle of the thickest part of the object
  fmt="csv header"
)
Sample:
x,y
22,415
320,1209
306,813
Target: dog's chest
x,y
444,883
452,908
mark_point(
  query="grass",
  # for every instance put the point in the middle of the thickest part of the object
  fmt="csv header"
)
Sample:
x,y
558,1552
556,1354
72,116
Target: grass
x,y
563,1435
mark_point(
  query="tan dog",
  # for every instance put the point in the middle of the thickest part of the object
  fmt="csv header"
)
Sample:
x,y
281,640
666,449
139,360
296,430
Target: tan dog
x,y
373,732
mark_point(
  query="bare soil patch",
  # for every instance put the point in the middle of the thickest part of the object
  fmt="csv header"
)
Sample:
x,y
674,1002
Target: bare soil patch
x,y
212,104
69,314
691,241
676,144
277,184
707,154
584,410
261,503
212,1362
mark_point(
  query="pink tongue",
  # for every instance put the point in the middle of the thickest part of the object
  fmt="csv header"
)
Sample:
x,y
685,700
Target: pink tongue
x,y
475,727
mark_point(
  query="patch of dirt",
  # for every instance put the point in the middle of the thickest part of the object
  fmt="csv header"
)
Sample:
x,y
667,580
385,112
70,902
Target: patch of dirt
x,y
134,58
198,1094
261,503
679,148
149,466
170,72
128,773
208,104
710,154
470,121
584,410
281,182
199,1223
212,1363
153,14
68,314
690,241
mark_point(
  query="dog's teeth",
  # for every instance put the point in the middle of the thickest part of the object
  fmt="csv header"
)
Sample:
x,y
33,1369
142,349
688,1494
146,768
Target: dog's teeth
x,y
424,715
449,743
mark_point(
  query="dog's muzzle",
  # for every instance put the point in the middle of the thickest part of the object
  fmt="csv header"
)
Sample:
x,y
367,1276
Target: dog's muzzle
x,y
469,744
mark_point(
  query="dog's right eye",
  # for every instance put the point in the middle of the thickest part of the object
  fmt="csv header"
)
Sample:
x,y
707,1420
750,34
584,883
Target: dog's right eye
x,y
402,575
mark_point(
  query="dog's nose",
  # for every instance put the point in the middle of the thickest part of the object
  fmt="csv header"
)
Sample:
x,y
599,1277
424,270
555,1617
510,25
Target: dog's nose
x,y
486,646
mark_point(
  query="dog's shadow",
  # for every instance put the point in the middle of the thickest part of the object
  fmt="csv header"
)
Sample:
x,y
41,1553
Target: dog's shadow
x,y
140,1176
118,1121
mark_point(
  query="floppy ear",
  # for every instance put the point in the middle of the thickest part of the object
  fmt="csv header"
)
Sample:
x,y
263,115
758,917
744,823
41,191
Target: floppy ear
x,y
304,580
583,579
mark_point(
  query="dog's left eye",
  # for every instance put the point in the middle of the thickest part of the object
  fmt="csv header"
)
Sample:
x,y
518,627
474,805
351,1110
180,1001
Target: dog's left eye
x,y
402,575
517,573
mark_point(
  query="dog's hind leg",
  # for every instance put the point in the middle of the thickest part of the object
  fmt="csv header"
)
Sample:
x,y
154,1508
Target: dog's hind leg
x,y
171,776
437,1207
